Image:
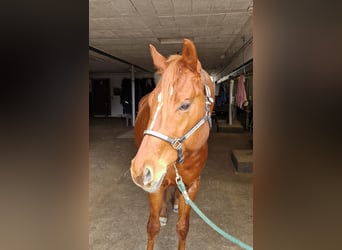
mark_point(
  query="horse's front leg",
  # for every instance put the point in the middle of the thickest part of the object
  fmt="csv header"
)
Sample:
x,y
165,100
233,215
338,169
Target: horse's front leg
x,y
176,200
153,225
163,210
184,214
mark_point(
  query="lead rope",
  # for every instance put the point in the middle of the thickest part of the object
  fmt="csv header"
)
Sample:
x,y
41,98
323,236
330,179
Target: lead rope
x,y
181,187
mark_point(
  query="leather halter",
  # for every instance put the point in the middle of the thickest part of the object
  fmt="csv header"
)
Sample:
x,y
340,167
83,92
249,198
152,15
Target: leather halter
x,y
176,143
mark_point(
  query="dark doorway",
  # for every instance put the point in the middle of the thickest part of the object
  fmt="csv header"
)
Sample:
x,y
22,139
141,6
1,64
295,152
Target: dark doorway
x,y
101,97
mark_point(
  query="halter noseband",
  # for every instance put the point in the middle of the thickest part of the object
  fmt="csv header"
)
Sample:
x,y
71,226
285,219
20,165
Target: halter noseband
x,y
176,143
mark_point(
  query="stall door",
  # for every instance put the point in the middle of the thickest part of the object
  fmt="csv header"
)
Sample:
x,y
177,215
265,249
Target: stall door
x,y
101,97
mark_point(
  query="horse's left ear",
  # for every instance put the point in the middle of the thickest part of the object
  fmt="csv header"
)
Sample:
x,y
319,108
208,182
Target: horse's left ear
x,y
159,61
189,55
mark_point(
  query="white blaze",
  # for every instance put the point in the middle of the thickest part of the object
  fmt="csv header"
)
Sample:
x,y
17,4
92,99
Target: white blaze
x,y
160,104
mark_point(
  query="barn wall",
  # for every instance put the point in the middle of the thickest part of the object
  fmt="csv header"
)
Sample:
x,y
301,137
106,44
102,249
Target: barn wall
x,y
240,59
241,54
115,82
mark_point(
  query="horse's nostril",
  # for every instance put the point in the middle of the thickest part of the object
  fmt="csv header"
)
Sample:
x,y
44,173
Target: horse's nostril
x,y
147,176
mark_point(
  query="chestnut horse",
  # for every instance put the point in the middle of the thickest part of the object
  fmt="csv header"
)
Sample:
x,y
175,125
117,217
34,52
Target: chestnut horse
x,y
171,131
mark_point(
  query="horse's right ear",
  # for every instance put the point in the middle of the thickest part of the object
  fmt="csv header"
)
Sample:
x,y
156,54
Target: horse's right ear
x,y
159,61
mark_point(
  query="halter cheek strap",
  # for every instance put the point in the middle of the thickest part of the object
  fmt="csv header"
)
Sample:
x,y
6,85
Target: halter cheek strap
x,y
176,143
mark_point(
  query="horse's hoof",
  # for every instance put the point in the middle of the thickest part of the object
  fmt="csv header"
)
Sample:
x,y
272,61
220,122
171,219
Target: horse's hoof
x,y
163,221
175,208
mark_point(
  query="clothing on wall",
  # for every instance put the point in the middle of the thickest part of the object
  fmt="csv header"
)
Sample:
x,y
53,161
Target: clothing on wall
x,y
241,97
222,97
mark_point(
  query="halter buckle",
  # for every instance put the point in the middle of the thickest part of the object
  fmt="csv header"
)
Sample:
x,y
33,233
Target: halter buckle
x,y
176,144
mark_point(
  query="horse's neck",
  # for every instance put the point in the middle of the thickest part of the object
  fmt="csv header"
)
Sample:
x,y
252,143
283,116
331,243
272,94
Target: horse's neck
x,y
142,120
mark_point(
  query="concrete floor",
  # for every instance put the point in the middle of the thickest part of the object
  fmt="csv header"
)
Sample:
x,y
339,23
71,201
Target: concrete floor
x,y
118,210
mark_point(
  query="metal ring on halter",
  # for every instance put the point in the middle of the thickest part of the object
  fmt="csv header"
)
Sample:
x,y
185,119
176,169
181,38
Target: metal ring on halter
x,y
176,144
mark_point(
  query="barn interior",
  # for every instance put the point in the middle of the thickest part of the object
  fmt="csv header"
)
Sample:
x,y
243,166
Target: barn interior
x,y
121,72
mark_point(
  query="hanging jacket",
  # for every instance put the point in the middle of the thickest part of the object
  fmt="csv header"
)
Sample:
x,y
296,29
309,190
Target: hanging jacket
x,y
241,92
222,99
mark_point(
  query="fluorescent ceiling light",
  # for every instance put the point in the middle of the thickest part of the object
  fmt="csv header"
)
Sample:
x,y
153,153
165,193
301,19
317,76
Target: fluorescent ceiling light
x,y
171,40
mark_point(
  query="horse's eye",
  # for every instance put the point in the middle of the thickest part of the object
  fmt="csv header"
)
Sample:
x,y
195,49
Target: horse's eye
x,y
185,106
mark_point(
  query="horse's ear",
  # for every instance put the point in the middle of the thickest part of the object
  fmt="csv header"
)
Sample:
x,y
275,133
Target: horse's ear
x,y
199,66
159,61
189,55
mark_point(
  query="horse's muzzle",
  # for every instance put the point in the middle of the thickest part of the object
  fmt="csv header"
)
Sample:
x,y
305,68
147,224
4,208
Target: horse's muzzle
x,y
148,179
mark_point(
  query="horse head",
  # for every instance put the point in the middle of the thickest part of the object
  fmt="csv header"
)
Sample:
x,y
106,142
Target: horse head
x,y
177,105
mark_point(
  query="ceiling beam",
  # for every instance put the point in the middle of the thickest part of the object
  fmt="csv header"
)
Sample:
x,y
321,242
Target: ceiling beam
x,y
116,58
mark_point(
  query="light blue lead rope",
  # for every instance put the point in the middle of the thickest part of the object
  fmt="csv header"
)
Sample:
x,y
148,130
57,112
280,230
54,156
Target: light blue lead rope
x,y
188,201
